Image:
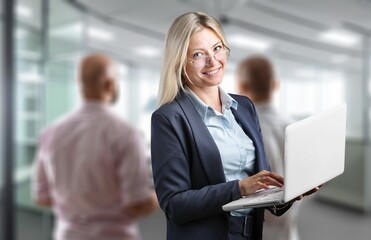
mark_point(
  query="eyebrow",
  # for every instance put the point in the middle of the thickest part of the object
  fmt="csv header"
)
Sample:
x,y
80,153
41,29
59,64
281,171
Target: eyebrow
x,y
197,49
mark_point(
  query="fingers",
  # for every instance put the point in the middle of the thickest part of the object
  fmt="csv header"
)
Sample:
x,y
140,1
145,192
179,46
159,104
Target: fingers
x,y
250,185
299,198
270,178
277,177
316,189
261,180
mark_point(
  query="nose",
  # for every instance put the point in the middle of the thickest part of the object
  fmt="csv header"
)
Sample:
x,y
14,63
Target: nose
x,y
210,61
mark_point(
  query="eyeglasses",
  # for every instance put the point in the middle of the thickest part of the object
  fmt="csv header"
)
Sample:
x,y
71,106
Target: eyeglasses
x,y
220,56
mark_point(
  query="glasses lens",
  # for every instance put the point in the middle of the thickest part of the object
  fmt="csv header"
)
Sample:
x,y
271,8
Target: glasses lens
x,y
202,61
221,56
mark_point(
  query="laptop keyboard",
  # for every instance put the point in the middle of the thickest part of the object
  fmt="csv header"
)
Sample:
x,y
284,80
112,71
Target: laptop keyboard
x,y
267,195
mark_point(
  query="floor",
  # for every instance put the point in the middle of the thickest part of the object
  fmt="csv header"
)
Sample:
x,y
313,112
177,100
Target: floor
x,y
318,220
323,220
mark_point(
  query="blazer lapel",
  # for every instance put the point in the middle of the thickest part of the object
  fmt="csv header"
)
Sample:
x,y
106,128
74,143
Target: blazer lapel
x,y
246,124
205,144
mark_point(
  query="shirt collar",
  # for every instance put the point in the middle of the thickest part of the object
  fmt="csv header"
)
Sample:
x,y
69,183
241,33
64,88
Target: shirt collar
x,y
202,108
227,101
94,105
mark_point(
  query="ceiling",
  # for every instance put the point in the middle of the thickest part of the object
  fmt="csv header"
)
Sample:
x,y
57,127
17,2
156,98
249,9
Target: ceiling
x,y
291,28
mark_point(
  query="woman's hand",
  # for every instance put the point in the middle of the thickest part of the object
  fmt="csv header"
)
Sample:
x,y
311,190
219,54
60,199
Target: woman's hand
x,y
261,180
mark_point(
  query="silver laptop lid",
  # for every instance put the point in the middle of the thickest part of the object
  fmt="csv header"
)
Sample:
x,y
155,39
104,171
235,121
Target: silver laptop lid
x,y
314,151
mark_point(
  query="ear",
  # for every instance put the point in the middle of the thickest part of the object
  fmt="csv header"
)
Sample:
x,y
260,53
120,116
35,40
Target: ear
x,y
276,85
109,85
242,87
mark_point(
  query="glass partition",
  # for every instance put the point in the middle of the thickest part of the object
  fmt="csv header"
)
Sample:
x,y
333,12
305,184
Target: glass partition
x,y
45,60
65,46
28,111
306,89
146,83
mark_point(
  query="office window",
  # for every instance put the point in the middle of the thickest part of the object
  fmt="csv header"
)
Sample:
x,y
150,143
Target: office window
x,y
147,82
122,105
305,90
29,112
229,81
29,85
46,90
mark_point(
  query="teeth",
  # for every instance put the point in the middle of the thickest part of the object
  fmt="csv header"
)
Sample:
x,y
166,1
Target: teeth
x,y
212,72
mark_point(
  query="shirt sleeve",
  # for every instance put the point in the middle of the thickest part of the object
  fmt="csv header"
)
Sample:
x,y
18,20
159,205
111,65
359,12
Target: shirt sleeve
x,y
40,185
133,170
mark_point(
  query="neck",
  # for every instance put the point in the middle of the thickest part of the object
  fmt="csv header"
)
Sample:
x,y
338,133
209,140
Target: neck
x,y
95,99
261,99
256,98
210,96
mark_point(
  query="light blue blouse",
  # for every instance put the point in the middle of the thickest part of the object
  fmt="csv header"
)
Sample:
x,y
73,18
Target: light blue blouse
x,y
236,149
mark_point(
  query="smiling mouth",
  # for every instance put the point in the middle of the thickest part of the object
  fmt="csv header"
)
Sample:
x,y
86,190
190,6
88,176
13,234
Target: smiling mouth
x,y
213,72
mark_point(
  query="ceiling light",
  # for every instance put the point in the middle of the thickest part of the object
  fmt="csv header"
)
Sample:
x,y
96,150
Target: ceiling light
x,y
30,77
248,42
23,11
147,51
68,31
339,37
75,31
305,73
340,58
29,54
100,34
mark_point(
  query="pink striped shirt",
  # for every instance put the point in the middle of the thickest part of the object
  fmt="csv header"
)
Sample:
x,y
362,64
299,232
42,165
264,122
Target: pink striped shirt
x,y
92,165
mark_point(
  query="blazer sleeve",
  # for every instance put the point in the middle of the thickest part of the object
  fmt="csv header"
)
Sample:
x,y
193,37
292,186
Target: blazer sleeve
x,y
171,171
279,210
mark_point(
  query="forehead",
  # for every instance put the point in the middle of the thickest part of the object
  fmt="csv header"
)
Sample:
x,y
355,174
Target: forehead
x,y
203,39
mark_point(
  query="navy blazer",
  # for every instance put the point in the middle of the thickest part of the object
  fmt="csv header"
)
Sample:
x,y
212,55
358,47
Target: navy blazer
x,y
188,172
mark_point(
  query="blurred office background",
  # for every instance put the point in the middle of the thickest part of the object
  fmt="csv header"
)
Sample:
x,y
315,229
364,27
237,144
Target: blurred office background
x,y
320,48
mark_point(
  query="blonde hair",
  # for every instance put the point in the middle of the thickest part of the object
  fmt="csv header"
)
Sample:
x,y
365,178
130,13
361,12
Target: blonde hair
x,y
175,54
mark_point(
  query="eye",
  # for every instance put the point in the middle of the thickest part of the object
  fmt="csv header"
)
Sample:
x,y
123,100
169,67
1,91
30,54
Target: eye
x,y
218,48
197,55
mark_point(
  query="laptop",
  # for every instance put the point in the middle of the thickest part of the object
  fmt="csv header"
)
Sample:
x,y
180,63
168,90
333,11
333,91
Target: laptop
x,y
314,154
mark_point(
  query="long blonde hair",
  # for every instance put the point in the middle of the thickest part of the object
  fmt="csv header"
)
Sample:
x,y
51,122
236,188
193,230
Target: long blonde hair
x,y
175,54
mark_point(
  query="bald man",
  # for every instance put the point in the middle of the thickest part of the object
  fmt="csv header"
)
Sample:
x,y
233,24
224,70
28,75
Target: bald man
x,y
256,80
90,166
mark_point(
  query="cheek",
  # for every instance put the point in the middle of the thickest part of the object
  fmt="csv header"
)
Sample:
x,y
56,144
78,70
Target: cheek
x,y
191,72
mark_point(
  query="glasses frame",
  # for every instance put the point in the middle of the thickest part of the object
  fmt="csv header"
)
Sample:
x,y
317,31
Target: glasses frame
x,y
208,58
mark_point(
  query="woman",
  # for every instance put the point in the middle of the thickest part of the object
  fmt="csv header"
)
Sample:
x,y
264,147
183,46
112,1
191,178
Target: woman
x,y
207,148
